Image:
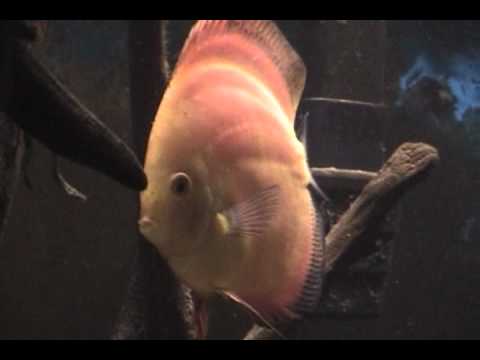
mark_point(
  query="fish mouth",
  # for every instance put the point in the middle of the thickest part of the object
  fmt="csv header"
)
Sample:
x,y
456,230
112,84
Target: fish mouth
x,y
145,225
147,228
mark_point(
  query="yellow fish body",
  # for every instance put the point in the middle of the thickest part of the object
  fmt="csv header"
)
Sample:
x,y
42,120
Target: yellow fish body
x,y
227,203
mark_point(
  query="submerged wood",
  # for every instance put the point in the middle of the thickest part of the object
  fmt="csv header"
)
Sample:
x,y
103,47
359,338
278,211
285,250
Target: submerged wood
x,y
333,178
12,150
45,108
406,164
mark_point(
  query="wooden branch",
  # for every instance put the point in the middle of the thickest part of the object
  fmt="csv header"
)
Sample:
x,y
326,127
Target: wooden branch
x,y
332,172
12,151
31,92
406,163
345,101
333,178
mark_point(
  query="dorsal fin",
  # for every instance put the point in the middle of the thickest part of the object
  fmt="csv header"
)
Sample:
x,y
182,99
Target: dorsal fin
x,y
263,36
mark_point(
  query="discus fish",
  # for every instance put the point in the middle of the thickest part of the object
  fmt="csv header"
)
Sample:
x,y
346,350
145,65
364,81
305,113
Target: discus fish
x,y
229,202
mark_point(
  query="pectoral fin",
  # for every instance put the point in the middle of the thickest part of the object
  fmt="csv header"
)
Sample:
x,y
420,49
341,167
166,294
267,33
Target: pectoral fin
x,y
250,217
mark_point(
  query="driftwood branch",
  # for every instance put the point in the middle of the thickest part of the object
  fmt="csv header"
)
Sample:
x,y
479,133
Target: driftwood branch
x,y
12,150
31,92
341,178
334,173
407,162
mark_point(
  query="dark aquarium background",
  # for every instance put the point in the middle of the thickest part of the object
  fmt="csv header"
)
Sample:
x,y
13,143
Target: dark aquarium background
x,y
66,265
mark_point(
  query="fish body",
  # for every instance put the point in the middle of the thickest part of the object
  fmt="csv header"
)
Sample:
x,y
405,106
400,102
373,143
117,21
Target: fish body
x,y
227,202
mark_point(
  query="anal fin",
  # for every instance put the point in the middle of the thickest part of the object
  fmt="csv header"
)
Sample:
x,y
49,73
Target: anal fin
x,y
256,314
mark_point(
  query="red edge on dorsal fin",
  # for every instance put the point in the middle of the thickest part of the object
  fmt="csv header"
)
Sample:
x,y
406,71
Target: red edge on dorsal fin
x,y
257,45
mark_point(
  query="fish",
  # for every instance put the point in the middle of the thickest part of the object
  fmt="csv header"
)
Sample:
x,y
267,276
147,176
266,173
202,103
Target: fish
x,y
230,197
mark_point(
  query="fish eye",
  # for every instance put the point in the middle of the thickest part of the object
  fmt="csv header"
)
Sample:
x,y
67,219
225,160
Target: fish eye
x,y
180,184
